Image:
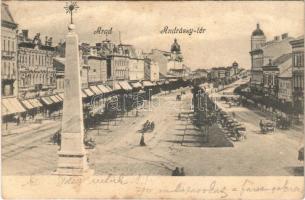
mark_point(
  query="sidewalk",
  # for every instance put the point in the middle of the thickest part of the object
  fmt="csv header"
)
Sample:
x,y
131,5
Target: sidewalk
x,y
24,127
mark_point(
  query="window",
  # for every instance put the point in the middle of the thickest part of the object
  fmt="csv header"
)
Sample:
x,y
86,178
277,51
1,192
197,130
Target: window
x,y
4,68
8,45
13,46
9,68
4,43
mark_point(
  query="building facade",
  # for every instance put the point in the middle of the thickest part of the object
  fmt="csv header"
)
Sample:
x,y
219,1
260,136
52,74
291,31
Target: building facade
x,y
298,73
285,86
151,70
97,70
9,82
262,51
35,66
271,72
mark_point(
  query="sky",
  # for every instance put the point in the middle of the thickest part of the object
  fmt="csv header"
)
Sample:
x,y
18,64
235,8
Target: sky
x,y
228,25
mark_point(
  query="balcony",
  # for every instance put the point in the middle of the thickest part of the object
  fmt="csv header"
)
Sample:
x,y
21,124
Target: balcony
x,y
8,76
8,54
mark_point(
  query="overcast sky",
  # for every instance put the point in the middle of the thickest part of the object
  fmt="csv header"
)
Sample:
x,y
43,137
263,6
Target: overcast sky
x,y
228,25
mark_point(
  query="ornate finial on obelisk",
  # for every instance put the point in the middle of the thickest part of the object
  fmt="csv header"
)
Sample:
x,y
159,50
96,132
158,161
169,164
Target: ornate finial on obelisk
x,y
71,7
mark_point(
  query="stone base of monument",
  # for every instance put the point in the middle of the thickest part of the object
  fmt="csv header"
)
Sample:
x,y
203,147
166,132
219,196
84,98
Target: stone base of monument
x,y
72,164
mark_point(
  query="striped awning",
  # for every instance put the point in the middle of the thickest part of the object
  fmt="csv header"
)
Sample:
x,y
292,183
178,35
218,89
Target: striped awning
x,y
136,85
35,103
96,90
54,99
27,104
11,106
124,85
173,80
88,92
103,88
147,84
160,82
47,100
61,95
109,88
116,86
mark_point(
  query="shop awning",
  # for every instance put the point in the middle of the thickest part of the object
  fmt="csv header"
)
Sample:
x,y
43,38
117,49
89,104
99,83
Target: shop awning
x,y
136,85
116,86
84,95
147,84
54,99
160,82
109,88
12,105
125,85
27,104
61,95
96,90
173,80
103,88
47,100
88,92
35,103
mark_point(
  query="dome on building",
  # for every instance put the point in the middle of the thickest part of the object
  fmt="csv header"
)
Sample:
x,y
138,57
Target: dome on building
x,y
235,63
258,31
175,47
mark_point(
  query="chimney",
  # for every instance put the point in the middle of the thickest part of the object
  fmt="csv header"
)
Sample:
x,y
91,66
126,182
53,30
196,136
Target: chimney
x,y
50,41
277,38
284,36
25,34
46,41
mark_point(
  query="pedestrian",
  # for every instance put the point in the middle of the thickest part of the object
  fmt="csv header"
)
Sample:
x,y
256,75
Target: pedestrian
x,y
17,120
182,171
142,142
176,172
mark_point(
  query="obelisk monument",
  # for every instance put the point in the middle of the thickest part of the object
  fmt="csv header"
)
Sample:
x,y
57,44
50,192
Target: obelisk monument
x,y
72,159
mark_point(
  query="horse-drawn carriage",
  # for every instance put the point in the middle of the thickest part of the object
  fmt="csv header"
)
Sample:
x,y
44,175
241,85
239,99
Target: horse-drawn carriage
x,y
148,127
267,126
239,132
283,122
301,154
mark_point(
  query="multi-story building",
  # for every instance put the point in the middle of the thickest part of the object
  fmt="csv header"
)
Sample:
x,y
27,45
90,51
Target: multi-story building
x,y
262,51
59,66
151,70
35,66
9,82
298,73
271,71
98,68
168,62
285,86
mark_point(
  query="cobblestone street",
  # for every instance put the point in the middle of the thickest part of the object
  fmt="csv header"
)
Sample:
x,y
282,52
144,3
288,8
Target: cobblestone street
x,y
173,143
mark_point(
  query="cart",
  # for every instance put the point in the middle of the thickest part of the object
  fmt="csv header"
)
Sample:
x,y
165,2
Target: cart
x,y
267,126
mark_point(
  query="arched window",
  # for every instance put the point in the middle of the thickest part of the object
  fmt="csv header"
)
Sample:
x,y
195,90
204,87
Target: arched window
x,y
4,68
9,68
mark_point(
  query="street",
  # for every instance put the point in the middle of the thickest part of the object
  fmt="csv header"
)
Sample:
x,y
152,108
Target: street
x,y
173,143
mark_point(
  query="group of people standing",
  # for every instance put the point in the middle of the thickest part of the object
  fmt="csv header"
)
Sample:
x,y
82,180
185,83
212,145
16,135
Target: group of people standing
x,y
177,172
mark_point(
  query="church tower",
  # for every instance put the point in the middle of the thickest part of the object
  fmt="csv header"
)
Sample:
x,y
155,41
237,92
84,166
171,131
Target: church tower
x,y
257,38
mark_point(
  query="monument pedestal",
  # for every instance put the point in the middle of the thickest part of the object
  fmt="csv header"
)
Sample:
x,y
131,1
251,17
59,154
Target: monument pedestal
x,y
72,157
